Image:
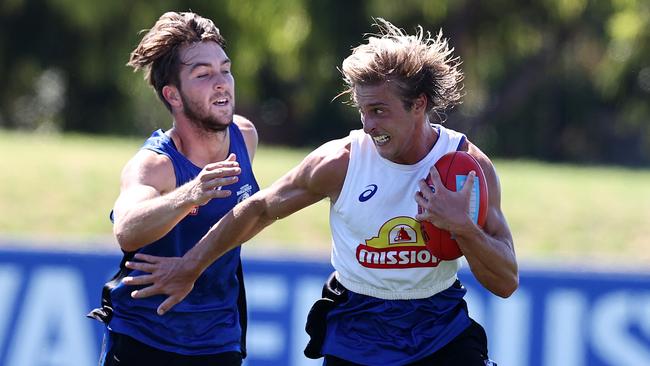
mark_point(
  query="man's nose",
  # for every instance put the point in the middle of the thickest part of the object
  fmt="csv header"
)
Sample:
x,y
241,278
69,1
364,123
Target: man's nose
x,y
368,124
220,80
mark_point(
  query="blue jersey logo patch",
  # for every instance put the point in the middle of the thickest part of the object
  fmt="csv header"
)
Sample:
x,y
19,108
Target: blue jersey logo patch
x,y
370,191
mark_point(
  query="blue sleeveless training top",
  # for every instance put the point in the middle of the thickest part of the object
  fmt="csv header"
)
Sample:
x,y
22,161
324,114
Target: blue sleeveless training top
x,y
207,321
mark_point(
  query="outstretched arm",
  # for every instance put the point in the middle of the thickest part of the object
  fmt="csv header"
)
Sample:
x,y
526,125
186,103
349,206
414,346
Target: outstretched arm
x,y
319,175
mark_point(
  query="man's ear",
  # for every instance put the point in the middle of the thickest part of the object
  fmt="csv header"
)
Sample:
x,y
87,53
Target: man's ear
x,y
420,103
172,95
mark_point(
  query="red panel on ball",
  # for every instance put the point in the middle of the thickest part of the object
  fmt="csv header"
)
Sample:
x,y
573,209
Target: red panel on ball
x,y
453,168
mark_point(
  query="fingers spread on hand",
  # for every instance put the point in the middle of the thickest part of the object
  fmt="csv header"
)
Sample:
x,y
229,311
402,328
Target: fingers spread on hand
x,y
220,193
220,182
230,162
167,304
435,177
469,182
228,171
221,173
420,199
215,183
145,258
141,266
137,280
425,189
145,292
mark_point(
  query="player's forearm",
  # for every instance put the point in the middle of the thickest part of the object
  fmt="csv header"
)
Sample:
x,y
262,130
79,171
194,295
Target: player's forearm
x,y
492,261
238,226
150,220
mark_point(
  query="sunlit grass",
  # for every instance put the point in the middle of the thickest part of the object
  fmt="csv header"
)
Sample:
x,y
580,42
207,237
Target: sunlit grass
x,y
58,186
568,212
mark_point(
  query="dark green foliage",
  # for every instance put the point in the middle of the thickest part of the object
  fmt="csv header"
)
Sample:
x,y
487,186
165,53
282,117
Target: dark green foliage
x,y
553,80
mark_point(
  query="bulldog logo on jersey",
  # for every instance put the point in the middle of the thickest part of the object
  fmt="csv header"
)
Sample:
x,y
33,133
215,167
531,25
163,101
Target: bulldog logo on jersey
x,y
398,244
244,192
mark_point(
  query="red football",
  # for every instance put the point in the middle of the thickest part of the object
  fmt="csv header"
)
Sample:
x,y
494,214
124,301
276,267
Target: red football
x,y
453,168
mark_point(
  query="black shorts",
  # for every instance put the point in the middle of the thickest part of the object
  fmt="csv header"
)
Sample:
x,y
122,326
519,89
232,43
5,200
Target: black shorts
x,y
468,349
122,350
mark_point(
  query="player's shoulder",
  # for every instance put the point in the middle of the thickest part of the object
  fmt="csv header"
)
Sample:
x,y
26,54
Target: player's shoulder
x,y
150,168
149,161
484,161
249,132
324,169
243,123
332,153
475,151
246,127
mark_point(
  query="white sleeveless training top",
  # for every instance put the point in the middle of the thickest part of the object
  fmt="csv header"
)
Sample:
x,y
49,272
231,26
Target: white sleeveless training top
x,y
377,247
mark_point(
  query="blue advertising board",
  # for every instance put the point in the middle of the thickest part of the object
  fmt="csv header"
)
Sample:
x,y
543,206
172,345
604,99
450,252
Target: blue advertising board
x,y
555,318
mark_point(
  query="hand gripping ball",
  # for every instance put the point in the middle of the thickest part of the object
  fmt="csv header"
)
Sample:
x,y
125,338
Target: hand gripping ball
x,y
453,168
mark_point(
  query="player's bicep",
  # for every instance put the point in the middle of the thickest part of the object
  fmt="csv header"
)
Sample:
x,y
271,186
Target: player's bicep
x,y
146,176
320,175
496,224
289,194
131,196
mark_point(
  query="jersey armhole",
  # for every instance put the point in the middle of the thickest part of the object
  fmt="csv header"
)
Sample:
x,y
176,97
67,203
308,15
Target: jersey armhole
x,y
343,195
463,138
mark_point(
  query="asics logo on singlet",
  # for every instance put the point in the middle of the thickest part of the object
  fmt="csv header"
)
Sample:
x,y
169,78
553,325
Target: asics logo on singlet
x,y
370,191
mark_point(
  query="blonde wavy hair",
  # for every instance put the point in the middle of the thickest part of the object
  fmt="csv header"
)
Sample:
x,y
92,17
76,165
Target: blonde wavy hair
x,y
415,64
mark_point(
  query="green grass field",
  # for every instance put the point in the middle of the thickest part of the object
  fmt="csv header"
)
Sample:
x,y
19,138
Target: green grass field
x,y
61,188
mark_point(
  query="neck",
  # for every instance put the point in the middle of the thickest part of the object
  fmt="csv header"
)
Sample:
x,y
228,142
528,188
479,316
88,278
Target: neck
x,y
199,146
430,137
423,141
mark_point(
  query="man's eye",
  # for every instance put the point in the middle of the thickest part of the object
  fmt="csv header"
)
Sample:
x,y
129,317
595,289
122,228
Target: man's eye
x,y
200,76
378,111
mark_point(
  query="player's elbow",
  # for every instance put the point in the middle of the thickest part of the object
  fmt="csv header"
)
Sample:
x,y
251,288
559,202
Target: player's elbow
x,y
260,207
125,239
508,286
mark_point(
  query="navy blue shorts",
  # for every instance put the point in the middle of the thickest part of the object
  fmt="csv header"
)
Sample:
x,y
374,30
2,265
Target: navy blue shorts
x,y
122,350
467,349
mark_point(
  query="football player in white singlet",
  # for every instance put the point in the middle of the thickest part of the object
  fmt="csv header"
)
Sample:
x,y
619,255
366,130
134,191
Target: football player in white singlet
x,y
390,301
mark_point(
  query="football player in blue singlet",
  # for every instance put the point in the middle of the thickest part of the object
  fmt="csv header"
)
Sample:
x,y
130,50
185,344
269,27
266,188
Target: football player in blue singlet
x,y
179,184
391,301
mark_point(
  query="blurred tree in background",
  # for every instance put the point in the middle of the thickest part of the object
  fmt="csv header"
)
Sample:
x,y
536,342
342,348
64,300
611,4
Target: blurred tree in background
x,y
558,80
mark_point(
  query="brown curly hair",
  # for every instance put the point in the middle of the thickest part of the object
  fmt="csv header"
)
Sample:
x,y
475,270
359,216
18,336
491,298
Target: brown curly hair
x,y
416,64
158,51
